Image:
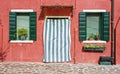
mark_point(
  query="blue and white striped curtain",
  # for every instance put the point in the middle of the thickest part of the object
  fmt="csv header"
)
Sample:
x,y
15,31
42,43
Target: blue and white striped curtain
x,y
57,40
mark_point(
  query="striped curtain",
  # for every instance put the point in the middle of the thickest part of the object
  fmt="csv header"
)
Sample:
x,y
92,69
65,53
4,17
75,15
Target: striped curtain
x,y
57,40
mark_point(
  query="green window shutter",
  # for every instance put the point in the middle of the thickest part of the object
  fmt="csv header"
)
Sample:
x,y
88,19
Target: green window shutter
x,y
32,25
12,26
106,27
82,26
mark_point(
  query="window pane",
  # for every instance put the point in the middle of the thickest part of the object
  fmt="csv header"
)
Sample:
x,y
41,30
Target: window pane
x,y
92,24
23,24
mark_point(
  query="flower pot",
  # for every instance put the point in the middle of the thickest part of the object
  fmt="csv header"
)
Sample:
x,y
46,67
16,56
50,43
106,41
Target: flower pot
x,y
23,37
94,49
90,38
96,38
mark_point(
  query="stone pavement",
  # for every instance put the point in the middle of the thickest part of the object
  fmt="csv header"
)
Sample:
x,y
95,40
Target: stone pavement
x,y
56,68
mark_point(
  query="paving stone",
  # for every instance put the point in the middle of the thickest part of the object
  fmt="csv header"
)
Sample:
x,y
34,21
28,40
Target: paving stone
x,y
54,68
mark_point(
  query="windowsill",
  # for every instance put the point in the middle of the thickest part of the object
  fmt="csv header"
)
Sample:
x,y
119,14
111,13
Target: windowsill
x,y
94,41
21,41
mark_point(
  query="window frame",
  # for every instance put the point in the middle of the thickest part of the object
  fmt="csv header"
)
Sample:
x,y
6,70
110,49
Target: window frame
x,y
22,11
91,11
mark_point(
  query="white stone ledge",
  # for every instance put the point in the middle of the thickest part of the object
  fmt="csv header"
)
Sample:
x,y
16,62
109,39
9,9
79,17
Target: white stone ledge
x,y
21,41
21,10
94,41
97,10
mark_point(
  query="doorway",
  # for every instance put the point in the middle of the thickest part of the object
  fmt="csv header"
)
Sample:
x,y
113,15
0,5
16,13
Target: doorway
x,y
57,39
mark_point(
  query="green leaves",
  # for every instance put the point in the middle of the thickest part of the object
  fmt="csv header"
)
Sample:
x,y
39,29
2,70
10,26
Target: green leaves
x,y
97,46
22,32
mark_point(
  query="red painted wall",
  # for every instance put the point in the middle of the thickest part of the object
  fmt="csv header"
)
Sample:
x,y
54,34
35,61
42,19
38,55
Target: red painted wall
x,y
34,52
117,30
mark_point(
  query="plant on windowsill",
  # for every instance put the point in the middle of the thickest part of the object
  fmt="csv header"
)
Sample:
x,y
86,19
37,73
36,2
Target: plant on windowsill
x,y
96,36
91,37
94,47
22,33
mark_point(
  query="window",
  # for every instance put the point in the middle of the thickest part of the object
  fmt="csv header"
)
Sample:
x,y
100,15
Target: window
x,y
91,24
22,26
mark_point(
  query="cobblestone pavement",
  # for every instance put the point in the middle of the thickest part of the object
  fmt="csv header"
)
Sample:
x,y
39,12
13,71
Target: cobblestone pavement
x,y
55,68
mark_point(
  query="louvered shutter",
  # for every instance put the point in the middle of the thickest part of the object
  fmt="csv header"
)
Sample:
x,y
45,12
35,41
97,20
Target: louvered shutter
x,y
12,26
32,25
82,26
106,27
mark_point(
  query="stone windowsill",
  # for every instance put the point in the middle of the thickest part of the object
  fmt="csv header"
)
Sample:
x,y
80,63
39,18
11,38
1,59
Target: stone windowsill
x,y
21,41
94,41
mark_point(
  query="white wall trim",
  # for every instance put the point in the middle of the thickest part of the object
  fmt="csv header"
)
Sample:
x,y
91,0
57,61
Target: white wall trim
x,y
21,10
94,10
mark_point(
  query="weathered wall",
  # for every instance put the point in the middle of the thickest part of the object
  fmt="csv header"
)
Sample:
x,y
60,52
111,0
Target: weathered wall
x,y
117,31
34,52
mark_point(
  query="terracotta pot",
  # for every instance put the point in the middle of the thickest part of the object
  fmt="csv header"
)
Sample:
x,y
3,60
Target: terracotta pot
x,y
96,38
90,38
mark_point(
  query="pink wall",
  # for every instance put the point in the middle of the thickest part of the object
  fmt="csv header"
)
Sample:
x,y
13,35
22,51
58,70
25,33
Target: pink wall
x,y
34,52
117,30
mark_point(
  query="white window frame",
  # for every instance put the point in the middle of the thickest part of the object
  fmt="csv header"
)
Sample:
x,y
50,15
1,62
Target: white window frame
x,y
24,11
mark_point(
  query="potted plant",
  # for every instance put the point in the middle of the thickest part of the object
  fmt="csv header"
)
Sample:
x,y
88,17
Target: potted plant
x,y
91,37
22,33
97,36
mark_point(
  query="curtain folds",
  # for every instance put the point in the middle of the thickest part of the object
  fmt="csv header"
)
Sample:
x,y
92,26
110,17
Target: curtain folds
x,y
57,40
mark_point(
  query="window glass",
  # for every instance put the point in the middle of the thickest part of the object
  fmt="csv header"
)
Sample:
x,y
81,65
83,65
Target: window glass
x,y
22,27
93,25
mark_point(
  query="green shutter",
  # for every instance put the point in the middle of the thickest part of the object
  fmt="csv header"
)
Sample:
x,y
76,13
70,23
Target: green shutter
x,y
12,26
82,26
32,25
106,27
